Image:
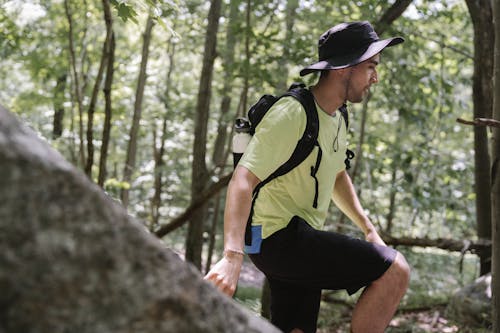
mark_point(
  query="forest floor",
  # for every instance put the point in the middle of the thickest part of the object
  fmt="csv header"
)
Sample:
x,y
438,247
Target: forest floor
x,y
431,320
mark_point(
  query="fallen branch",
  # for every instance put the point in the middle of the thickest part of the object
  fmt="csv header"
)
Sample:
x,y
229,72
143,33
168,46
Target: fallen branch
x,y
441,243
480,122
186,215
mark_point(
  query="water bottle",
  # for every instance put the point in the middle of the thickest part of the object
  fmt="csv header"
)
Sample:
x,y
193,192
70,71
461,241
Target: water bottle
x,y
241,138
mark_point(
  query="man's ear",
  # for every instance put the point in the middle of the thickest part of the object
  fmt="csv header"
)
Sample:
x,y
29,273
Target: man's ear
x,y
335,74
340,73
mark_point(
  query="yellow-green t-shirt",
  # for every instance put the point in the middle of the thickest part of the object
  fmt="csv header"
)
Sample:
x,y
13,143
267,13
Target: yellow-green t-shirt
x,y
293,194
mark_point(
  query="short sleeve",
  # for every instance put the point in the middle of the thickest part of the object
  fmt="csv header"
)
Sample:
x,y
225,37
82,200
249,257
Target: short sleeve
x,y
275,138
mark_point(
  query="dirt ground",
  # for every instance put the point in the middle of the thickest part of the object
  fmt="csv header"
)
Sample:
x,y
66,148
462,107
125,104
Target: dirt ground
x,y
412,322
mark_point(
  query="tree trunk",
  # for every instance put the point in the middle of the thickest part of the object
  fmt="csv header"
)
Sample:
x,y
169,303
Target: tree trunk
x,y
481,15
134,129
95,91
76,82
59,105
213,232
158,153
359,151
243,106
282,72
495,175
199,174
106,132
219,156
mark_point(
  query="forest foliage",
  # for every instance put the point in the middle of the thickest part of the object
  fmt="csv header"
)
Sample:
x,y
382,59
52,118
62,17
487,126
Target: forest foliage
x,y
415,166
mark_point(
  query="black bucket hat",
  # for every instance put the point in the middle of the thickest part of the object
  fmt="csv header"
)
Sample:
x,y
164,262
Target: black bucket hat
x,y
348,44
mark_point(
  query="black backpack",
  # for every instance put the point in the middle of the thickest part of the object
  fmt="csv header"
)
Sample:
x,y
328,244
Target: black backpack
x,y
304,146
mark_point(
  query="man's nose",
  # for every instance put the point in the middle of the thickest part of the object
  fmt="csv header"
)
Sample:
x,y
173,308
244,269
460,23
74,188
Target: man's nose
x,y
374,78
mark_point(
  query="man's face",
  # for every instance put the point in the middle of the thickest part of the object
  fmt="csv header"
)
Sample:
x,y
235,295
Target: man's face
x,y
362,76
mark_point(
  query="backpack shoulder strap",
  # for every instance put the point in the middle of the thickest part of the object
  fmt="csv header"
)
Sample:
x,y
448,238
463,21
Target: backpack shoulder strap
x,y
302,150
309,138
349,153
345,115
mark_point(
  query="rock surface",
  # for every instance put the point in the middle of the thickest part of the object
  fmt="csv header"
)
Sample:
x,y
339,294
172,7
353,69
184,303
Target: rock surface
x,y
72,260
471,305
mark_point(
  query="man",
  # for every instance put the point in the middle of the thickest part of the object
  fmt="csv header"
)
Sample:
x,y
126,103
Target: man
x,y
299,259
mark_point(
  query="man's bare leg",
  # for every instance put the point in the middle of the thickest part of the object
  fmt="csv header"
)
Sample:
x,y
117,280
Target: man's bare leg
x,y
379,301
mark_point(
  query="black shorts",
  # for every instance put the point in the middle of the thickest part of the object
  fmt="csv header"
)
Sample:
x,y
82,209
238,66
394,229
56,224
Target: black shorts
x,y
299,261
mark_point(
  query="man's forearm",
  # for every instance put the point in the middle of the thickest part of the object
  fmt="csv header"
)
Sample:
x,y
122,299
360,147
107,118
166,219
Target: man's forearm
x,y
238,205
345,197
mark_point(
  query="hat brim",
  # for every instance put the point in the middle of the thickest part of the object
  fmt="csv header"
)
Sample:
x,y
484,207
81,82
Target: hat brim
x,y
352,59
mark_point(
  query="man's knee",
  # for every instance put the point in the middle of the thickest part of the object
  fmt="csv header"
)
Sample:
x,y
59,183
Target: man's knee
x,y
398,274
402,270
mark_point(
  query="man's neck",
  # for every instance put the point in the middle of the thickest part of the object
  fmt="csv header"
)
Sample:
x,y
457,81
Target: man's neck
x,y
329,96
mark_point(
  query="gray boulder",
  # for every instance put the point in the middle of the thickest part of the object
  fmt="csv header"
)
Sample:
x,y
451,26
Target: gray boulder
x,y
471,305
72,260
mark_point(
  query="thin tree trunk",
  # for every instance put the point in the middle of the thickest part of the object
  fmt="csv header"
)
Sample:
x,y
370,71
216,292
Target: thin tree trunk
x,y
291,9
158,173
59,105
482,89
199,174
160,152
495,175
213,231
392,199
244,95
134,129
106,133
218,156
76,81
362,131
95,91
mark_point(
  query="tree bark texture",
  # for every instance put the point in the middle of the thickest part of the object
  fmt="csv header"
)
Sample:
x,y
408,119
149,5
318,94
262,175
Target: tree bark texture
x,y
495,176
282,72
76,82
106,131
95,90
134,128
482,96
73,260
59,90
159,153
199,174
448,244
219,156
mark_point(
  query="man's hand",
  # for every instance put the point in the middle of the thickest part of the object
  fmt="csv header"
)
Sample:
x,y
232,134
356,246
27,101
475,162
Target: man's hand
x,y
224,275
373,237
